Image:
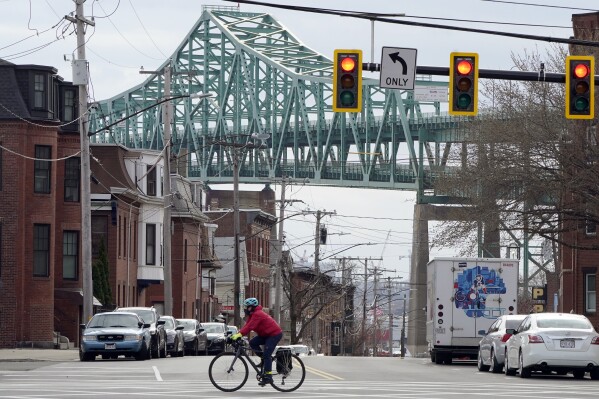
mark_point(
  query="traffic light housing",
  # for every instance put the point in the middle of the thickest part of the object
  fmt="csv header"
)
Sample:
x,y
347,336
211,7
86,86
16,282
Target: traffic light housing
x,y
463,84
580,87
347,81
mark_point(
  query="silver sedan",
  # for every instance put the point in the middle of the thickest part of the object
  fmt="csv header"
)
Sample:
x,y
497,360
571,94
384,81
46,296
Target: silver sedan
x,y
491,349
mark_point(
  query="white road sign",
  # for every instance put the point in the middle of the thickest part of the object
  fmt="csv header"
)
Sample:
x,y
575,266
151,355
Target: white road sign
x,y
398,68
431,93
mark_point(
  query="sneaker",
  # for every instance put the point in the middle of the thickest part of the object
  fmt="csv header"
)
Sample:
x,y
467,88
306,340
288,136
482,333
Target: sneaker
x,y
266,380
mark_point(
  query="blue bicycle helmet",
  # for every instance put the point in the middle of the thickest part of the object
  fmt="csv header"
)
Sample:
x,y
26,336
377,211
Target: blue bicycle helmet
x,y
251,302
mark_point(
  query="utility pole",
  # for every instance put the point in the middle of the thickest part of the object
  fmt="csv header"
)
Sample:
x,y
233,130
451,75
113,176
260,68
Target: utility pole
x,y
236,147
364,353
80,78
279,267
317,238
375,315
403,329
390,317
166,221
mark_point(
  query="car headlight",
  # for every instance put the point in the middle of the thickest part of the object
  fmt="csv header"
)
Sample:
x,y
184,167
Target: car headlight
x,y
152,332
136,337
219,339
87,338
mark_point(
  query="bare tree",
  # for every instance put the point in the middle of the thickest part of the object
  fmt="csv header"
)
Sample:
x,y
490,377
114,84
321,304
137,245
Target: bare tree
x,y
312,295
523,167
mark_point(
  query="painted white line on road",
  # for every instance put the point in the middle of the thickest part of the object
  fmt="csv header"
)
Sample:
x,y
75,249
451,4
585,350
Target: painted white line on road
x,y
157,373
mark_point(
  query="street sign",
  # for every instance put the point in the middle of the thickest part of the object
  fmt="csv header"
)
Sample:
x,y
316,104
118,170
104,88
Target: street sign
x,y
398,68
431,93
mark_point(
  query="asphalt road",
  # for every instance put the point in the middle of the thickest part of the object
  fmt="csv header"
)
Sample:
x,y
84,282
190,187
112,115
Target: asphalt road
x,y
326,377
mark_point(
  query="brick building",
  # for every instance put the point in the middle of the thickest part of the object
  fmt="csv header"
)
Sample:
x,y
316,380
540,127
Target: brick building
x,y
257,226
127,214
579,268
40,211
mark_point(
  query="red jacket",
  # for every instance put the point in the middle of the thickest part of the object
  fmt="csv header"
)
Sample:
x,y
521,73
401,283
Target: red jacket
x,y
261,323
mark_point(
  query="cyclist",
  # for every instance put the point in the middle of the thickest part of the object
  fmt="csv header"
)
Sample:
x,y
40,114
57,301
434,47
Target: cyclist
x,y
269,333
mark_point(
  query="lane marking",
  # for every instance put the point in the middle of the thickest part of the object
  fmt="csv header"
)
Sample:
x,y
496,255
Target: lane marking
x,y
157,373
323,374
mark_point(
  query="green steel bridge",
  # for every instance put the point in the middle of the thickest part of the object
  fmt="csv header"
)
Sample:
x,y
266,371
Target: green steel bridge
x,y
265,81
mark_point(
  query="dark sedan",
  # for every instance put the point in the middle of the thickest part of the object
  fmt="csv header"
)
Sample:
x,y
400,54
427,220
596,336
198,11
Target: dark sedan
x,y
175,342
216,337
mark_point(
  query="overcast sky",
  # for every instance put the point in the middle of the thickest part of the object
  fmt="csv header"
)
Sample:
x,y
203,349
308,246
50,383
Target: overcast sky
x,y
144,32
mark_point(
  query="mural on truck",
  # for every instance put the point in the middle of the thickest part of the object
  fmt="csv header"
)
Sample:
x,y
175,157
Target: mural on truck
x,y
472,287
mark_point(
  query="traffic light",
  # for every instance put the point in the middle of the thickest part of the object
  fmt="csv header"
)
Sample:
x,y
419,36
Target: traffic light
x,y
347,81
580,87
463,84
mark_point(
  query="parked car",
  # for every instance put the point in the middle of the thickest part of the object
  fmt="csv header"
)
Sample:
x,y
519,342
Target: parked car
x,y
300,350
215,333
175,342
150,315
112,334
195,337
559,342
232,330
491,349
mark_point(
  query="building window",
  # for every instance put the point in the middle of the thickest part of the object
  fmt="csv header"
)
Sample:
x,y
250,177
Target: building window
x,y
41,250
185,257
42,169
39,91
590,228
70,254
590,293
150,244
151,180
69,105
72,167
99,233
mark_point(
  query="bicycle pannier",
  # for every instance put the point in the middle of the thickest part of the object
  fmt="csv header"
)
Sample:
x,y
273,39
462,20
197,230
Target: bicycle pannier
x,y
284,360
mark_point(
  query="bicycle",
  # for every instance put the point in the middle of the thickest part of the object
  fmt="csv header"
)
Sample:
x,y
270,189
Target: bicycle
x,y
229,371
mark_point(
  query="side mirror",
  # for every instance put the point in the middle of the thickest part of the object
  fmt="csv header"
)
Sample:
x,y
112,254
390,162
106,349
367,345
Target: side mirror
x,y
229,332
511,331
179,328
160,322
147,325
82,326
482,332
201,330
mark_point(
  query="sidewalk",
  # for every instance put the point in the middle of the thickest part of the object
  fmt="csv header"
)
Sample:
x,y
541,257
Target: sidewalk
x,y
47,355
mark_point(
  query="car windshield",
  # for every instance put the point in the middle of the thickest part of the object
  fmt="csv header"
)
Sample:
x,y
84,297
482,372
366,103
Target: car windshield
x,y
188,325
576,324
113,320
214,328
168,324
146,315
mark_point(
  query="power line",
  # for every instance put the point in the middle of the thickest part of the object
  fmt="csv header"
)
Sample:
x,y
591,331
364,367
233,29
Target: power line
x,y
539,5
374,17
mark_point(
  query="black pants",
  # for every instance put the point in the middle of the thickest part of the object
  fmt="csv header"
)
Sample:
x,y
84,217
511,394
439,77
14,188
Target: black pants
x,y
270,343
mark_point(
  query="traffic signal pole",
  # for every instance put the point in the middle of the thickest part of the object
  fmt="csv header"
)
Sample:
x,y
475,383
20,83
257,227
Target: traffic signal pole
x,y
524,76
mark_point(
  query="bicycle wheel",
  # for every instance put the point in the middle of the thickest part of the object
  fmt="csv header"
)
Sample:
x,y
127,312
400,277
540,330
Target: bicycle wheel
x,y
285,378
227,372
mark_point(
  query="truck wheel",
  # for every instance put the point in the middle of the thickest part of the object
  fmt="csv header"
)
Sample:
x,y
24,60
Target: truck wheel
x,y
448,359
433,357
439,358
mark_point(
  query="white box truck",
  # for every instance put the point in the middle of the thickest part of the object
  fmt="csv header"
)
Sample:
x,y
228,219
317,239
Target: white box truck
x,y
464,297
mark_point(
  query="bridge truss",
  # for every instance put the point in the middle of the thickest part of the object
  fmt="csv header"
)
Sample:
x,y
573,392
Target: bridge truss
x,y
267,82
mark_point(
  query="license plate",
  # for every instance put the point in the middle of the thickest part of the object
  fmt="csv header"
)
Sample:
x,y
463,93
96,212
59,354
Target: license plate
x,y
566,343
109,346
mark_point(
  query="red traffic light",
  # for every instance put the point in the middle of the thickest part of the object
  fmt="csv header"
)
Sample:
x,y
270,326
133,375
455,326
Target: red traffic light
x,y
581,71
464,67
348,64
